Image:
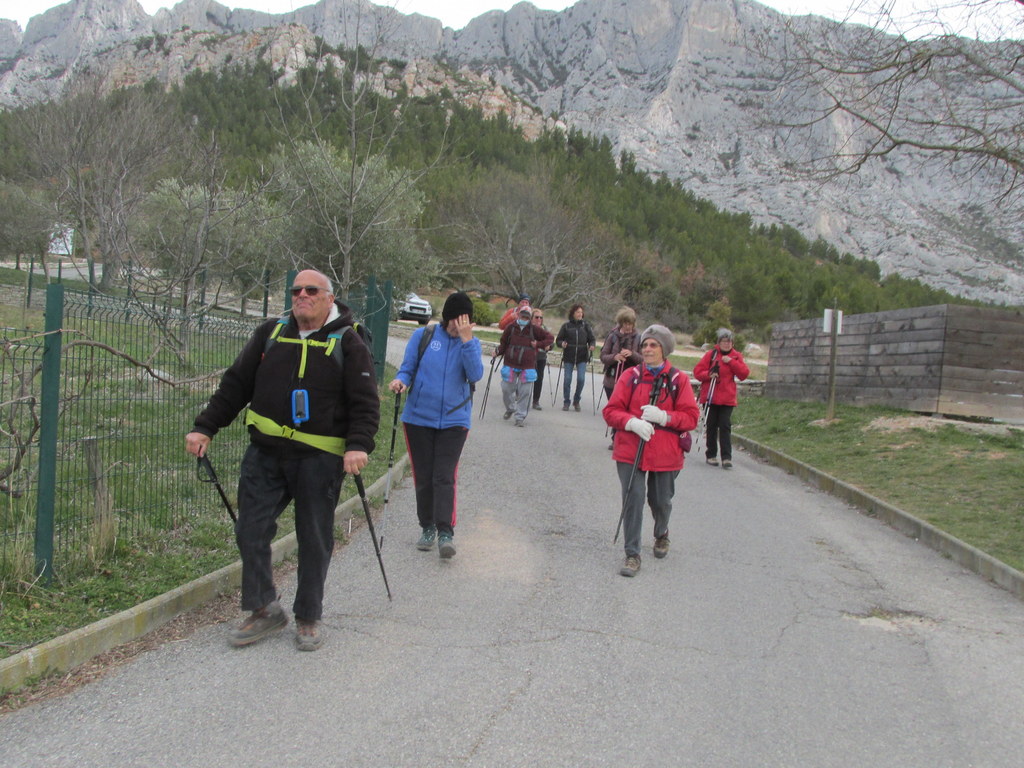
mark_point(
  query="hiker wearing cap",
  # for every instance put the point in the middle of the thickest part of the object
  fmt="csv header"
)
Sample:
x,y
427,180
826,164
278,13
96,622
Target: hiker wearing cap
x,y
723,366
577,342
651,408
310,422
519,344
621,350
438,372
512,313
542,359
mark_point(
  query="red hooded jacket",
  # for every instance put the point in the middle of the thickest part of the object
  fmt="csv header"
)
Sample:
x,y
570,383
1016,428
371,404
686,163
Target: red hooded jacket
x,y
663,452
731,369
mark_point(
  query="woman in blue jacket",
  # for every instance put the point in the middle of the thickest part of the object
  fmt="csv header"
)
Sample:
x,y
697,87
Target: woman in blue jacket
x,y
437,415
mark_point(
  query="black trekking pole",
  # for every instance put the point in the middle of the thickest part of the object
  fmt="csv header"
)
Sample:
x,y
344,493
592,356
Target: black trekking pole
x,y
203,463
373,534
593,385
391,464
655,391
487,389
558,379
704,413
618,373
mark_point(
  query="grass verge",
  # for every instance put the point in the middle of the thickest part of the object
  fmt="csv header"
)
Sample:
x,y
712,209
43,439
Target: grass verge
x,y
962,477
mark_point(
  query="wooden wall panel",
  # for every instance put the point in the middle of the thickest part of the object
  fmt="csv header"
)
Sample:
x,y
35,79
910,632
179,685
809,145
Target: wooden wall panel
x,y
966,361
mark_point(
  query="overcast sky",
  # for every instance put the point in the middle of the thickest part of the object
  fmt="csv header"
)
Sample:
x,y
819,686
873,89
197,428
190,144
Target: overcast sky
x,y
456,13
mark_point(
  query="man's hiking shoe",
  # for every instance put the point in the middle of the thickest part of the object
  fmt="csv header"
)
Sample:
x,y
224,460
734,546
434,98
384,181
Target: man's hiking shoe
x,y
520,423
308,637
536,407
631,566
712,461
661,546
576,406
565,407
261,623
426,542
726,464
508,415
445,546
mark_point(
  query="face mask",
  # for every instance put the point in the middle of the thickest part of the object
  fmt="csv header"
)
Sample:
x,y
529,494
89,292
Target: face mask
x,y
523,323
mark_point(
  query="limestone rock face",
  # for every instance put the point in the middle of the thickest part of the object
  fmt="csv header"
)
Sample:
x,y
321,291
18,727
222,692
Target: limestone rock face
x,y
671,81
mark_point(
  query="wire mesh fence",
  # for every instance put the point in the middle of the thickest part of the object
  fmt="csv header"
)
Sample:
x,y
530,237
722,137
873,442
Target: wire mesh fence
x,y
131,378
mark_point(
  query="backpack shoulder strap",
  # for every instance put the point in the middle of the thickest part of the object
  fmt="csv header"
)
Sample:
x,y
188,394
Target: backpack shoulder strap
x,y
425,338
272,338
428,334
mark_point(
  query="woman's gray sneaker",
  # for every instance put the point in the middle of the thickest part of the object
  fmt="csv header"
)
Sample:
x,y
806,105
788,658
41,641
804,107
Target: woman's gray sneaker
x,y
261,623
426,542
445,546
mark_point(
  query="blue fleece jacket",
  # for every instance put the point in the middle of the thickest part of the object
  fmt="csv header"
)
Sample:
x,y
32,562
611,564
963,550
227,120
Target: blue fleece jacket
x,y
442,379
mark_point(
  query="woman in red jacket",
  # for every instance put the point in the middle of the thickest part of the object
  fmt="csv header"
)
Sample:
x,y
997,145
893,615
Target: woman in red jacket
x,y
722,366
659,422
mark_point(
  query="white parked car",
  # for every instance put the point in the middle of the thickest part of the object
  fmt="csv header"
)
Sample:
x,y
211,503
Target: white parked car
x,y
415,308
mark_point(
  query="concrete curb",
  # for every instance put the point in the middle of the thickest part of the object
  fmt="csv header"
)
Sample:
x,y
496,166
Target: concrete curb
x,y
960,552
69,651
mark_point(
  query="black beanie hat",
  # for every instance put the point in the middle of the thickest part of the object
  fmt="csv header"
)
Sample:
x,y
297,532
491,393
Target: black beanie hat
x,y
455,305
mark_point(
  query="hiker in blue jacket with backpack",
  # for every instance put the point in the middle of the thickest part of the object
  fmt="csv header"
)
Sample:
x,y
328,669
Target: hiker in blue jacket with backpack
x,y
441,364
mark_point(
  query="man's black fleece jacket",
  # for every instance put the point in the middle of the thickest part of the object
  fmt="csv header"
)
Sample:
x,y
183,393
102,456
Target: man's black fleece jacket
x,y
345,405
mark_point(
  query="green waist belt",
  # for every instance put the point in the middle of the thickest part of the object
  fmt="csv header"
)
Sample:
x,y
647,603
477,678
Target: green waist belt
x,y
335,445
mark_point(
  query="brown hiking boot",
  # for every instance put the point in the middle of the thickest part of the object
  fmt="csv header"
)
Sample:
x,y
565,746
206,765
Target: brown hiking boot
x,y
308,637
661,546
630,566
261,623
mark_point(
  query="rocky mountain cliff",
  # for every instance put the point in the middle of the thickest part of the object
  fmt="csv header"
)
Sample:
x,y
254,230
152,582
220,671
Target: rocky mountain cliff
x,y
671,81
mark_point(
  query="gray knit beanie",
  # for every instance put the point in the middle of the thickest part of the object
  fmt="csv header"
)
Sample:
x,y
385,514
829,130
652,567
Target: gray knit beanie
x,y
662,335
724,333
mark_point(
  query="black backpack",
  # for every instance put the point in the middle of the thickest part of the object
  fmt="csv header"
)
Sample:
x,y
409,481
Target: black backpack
x,y
332,346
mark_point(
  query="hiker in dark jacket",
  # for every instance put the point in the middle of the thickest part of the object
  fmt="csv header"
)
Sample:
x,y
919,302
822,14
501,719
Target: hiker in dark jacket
x,y
291,454
519,344
577,341
542,359
437,415
621,350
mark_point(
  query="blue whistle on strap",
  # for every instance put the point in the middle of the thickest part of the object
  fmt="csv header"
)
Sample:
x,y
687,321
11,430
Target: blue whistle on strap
x,y
300,406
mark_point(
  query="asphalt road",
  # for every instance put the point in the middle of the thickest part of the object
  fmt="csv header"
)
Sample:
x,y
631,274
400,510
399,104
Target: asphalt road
x,y
783,629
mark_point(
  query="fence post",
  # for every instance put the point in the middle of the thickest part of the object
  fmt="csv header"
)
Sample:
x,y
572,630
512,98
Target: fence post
x,y
381,318
266,293
49,411
289,281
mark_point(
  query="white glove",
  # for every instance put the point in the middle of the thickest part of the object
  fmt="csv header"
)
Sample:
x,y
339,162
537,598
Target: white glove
x,y
642,428
653,414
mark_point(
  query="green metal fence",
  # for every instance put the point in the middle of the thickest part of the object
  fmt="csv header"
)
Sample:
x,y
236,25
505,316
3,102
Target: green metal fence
x,y
92,420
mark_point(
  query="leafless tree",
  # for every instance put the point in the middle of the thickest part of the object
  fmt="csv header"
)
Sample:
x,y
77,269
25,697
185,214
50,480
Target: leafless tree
x,y
908,83
97,154
512,234
202,231
344,185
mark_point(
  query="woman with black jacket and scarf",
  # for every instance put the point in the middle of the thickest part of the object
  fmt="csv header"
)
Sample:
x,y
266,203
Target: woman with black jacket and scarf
x,y
577,341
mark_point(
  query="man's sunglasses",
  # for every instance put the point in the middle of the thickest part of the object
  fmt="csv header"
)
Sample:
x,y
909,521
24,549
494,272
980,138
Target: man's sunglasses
x,y
311,290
